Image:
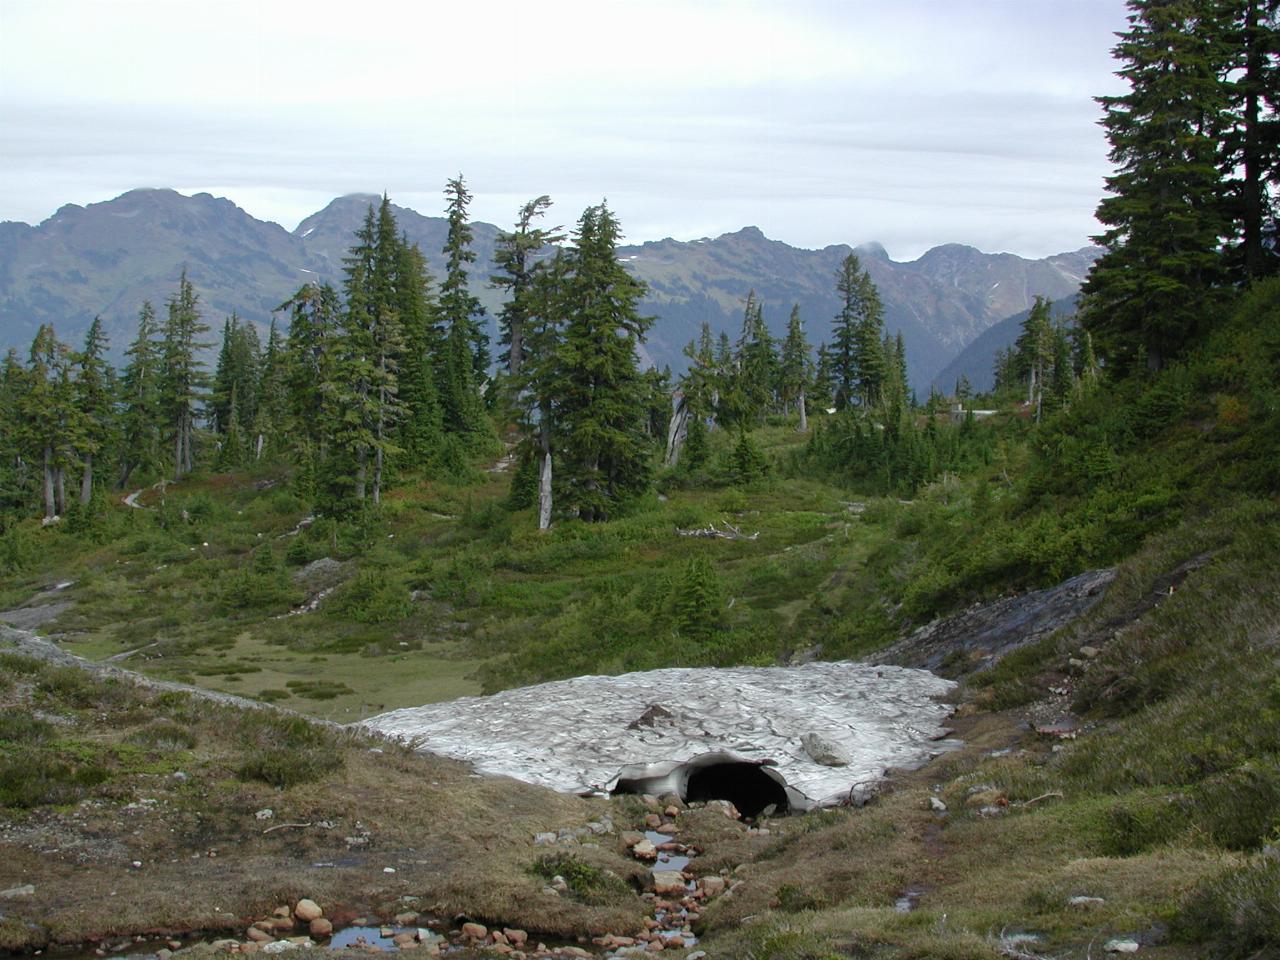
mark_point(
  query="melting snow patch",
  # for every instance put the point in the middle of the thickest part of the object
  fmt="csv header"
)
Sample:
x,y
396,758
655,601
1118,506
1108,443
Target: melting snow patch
x,y
658,729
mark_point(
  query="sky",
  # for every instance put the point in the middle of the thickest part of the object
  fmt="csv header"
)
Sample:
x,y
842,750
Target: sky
x,y
910,123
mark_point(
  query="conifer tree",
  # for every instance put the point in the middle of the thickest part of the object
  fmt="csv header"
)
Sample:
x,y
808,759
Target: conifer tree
x,y
870,361
95,399
47,415
516,256
1150,293
1033,352
182,376
824,377
858,362
142,417
421,425
794,370
14,473
272,406
598,390
757,362
457,306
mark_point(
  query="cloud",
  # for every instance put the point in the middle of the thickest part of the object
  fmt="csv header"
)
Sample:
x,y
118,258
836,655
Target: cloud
x,y
821,122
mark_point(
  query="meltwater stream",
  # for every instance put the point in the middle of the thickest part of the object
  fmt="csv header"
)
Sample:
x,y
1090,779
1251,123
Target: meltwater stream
x,y
820,733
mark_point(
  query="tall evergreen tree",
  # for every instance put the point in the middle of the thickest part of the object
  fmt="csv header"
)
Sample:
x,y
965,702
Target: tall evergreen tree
x,y
95,400
795,367
517,257
142,417
599,392
182,375
48,416
457,306
1150,293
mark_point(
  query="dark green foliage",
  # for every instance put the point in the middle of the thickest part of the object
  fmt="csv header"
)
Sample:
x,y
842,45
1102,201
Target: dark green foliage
x,y
285,751
747,463
182,378
34,776
1236,911
587,884
375,596
164,735
602,455
698,601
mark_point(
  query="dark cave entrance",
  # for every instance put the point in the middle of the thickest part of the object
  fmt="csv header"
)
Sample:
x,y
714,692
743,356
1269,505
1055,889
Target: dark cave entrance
x,y
745,785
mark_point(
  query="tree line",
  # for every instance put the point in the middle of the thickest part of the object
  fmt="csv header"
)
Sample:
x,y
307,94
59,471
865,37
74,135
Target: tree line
x,y
1196,143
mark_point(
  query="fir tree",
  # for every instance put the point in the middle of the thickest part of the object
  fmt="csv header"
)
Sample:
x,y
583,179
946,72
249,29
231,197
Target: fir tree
x,y
516,255
182,376
1150,293
142,417
457,306
598,390
794,368
95,400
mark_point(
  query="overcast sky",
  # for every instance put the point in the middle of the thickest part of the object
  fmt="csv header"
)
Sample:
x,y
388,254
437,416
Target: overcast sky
x,y
913,123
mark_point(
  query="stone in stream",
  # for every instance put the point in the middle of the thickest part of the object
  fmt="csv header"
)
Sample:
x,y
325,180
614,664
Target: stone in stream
x,y
668,882
307,910
645,850
475,931
320,927
259,935
712,886
517,938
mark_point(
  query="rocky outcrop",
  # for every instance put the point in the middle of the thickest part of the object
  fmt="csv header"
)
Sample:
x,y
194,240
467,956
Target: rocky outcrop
x,y
979,636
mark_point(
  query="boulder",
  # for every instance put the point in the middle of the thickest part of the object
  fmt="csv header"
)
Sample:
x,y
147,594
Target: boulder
x,y
1121,946
475,931
517,938
645,850
307,910
320,927
258,935
669,882
824,750
712,886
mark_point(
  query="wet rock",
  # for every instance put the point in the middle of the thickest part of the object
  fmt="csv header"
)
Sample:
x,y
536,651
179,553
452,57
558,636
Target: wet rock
x,y
227,945
671,811
320,927
668,882
406,919
307,910
645,850
631,837
824,750
653,821
478,931
282,911
517,938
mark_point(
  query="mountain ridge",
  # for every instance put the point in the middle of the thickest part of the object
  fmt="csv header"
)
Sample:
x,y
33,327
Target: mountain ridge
x,y
104,258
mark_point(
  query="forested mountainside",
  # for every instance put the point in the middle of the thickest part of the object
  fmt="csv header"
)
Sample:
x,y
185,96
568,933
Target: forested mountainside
x,y
106,258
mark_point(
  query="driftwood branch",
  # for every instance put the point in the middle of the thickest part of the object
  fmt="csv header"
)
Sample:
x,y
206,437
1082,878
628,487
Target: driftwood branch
x,y
282,826
1043,796
730,532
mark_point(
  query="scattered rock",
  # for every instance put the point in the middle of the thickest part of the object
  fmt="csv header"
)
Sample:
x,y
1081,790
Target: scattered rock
x,y
1089,653
1121,946
307,910
517,938
266,813
320,927
475,931
936,805
258,935
406,919
823,750
713,886
1085,901
671,811
631,837
653,821
668,882
645,850
282,946
544,839
26,890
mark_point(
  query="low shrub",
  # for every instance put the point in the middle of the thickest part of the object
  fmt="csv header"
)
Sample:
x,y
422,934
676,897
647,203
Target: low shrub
x,y
590,885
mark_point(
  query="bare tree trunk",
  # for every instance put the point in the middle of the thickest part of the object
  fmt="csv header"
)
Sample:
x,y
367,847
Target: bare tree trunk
x,y
361,455
189,462
59,476
257,447
544,492
177,451
86,480
50,508
677,430
804,415
515,356
377,475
